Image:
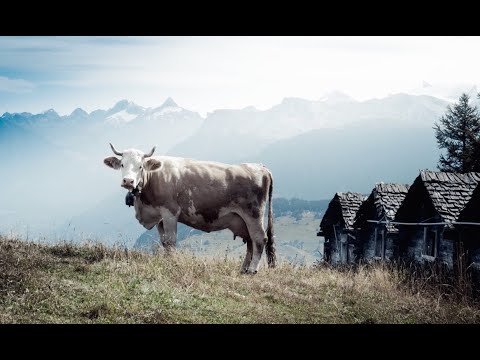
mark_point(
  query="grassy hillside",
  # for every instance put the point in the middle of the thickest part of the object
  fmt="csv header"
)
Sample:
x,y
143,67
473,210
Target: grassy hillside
x,y
95,284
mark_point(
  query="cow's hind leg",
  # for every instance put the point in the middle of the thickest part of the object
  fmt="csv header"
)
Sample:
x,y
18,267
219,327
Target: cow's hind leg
x,y
239,228
258,239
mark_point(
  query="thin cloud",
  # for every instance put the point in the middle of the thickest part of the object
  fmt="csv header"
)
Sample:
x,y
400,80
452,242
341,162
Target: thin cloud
x,y
207,73
17,86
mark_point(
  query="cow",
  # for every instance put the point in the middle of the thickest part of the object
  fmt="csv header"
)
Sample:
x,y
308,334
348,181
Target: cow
x,y
204,195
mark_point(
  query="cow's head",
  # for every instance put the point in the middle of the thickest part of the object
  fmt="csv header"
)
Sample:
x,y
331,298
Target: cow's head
x,y
132,163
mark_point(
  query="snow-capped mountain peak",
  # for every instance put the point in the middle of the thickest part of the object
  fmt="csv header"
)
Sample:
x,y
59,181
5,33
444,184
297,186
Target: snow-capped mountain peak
x,y
446,92
79,112
426,84
169,103
169,106
50,112
130,106
336,97
124,111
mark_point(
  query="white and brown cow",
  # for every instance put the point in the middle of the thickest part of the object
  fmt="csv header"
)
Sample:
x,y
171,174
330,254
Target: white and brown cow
x,y
205,195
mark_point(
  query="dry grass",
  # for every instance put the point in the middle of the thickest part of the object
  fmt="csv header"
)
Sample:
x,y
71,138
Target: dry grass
x,y
94,284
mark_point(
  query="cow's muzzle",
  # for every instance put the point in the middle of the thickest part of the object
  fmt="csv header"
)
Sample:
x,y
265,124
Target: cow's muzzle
x,y
127,183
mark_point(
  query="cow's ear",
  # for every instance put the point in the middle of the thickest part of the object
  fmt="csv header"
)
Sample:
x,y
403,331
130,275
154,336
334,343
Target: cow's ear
x,y
152,164
112,162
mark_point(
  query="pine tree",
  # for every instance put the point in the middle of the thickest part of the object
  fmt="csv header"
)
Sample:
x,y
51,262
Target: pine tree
x,y
459,134
476,151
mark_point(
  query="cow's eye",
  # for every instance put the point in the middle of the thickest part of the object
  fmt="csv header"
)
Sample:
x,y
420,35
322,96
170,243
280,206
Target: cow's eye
x,y
140,168
122,165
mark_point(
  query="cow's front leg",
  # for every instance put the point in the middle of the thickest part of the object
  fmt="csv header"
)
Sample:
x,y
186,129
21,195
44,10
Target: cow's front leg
x,y
248,256
169,236
161,232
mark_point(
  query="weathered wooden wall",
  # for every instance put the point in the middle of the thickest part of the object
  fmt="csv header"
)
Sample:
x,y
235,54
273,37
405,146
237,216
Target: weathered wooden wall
x,y
470,237
445,246
341,248
446,251
337,256
367,242
391,251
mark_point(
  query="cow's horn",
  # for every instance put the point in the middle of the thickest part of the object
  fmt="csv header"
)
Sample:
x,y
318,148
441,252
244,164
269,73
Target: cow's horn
x,y
115,151
150,153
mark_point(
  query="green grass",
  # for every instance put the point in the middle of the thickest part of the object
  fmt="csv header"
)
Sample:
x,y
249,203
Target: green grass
x,y
94,284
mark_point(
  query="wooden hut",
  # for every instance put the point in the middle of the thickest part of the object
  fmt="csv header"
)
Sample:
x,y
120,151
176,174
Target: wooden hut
x,y
432,203
379,241
336,227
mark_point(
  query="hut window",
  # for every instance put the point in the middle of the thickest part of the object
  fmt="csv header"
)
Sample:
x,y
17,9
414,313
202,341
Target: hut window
x,y
431,242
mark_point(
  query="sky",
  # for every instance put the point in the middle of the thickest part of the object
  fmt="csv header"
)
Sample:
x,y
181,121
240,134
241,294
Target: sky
x,y
207,73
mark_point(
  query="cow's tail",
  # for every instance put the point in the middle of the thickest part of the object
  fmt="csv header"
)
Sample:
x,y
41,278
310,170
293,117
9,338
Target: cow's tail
x,y
270,246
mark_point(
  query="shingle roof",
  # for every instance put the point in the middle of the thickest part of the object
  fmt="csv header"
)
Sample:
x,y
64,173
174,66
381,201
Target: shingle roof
x,y
349,203
385,200
449,192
